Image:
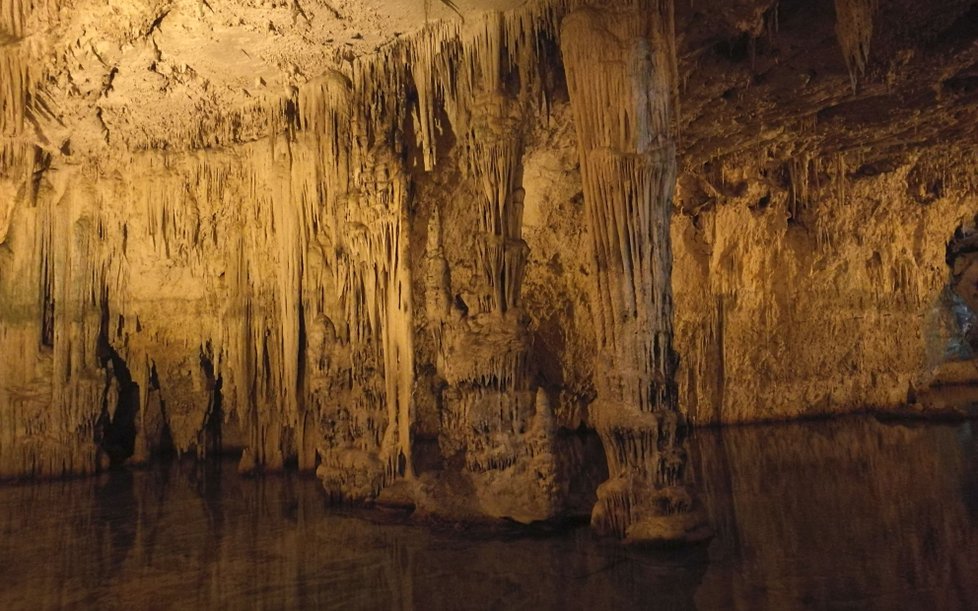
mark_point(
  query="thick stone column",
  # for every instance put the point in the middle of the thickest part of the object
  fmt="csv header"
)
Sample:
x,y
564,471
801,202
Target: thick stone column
x,y
620,69
494,414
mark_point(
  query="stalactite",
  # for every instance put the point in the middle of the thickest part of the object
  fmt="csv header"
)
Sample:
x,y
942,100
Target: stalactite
x,y
280,256
799,173
854,27
20,65
380,301
15,88
17,16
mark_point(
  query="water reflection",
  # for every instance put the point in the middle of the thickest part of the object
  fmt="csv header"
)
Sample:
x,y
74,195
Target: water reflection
x,y
848,514
843,514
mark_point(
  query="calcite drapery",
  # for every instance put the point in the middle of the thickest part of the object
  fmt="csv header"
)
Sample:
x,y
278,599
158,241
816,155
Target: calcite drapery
x,y
620,76
494,414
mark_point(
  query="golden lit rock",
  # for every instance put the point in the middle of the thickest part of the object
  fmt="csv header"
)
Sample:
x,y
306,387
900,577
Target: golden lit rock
x,y
438,252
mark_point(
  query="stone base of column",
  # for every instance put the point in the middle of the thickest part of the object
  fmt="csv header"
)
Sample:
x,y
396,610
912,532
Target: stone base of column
x,y
632,509
647,498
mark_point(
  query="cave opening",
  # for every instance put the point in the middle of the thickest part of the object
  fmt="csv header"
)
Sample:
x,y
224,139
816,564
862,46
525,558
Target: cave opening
x,y
952,342
960,297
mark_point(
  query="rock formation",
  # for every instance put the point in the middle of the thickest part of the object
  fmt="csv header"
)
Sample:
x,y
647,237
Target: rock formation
x,y
427,254
620,76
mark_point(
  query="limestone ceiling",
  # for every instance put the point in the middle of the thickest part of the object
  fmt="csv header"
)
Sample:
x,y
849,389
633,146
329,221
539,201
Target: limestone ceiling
x,y
141,73
135,74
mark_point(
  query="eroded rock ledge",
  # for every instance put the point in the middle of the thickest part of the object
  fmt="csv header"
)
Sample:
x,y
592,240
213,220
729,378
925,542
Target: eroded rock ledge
x,y
425,269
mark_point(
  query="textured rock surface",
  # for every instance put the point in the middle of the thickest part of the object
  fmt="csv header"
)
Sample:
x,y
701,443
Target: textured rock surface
x,y
363,237
620,68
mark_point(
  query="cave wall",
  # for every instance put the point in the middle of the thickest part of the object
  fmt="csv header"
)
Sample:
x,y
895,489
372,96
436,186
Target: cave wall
x,y
386,272
187,273
833,307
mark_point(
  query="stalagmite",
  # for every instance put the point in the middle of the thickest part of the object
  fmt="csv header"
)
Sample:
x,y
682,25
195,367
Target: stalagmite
x,y
621,92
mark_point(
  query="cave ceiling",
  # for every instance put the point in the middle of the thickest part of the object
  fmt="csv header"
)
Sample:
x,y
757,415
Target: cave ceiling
x,y
755,75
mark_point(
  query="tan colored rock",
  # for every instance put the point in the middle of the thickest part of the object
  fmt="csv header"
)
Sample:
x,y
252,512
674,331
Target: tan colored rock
x,y
423,254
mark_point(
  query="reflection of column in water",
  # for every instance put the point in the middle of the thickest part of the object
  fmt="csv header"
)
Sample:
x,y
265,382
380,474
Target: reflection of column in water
x,y
115,514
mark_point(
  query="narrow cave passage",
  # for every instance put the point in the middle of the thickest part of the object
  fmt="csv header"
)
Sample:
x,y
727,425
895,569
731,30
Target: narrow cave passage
x,y
952,340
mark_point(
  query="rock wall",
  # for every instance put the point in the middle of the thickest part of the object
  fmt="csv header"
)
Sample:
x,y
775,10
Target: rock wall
x,y
833,308
391,271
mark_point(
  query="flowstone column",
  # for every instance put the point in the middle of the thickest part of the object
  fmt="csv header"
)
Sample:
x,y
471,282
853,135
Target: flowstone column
x,y
495,416
620,68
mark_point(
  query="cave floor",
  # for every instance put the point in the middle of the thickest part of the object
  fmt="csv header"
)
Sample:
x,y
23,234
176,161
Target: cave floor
x,y
852,513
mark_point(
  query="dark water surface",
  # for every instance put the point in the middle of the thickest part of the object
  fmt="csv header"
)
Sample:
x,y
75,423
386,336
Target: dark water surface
x,y
849,514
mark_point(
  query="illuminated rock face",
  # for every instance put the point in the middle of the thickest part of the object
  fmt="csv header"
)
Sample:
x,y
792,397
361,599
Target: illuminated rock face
x,y
422,256
620,72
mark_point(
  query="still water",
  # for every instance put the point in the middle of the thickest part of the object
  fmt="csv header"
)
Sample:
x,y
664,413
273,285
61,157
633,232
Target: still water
x,y
850,514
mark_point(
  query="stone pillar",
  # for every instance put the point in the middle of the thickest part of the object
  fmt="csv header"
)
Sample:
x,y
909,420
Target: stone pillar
x,y
494,412
620,68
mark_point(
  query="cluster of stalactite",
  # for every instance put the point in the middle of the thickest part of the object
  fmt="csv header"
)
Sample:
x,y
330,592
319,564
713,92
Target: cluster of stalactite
x,y
620,80
492,412
258,297
34,335
50,300
50,294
